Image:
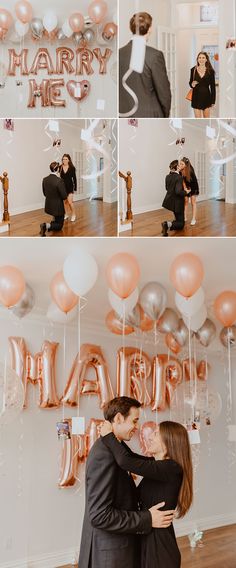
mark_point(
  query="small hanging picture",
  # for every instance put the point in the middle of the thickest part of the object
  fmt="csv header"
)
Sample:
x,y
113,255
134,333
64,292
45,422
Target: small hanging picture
x,y
8,124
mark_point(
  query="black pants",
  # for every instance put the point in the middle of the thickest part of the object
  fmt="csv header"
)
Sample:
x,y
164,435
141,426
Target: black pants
x,y
57,224
178,223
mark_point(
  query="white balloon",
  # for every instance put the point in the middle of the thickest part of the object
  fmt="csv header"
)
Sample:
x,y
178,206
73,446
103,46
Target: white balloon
x,y
21,29
80,271
55,315
190,306
67,29
123,307
197,320
50,21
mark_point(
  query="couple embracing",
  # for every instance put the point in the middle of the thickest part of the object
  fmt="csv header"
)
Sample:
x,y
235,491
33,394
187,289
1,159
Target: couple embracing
x,y
125,525
181,184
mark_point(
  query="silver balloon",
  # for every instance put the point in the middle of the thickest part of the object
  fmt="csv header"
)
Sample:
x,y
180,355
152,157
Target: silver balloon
x,y
134,318
60,34
181,334
77,38
37,29
153,300
168,322
206,333
228,334
88,23
89,35
26,303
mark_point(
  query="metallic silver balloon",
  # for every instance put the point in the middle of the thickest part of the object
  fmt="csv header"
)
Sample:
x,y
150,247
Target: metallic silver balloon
x,y
153,300
181,334
88,23
168,322
37,29
206,333
228,334
26,303
77,38
60,34
134,318
89,35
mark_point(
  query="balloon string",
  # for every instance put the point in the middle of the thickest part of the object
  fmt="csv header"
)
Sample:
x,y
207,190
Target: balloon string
x,y
64,367
79,351
131,93
230,373
190,364
195,371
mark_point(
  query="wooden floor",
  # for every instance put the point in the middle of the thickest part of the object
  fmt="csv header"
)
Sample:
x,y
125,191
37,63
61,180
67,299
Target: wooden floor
x,y
94,218
214,219
219,550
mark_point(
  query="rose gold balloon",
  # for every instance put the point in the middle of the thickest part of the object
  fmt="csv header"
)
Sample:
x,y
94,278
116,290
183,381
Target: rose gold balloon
x,y
42,60
55,92
61,294
167,375
92,433
84,59
146,324
41,91
172,344
73,452
6,20
38,370
109,31
12,285
16,60
78,90
123,274
225,308
78,384
186,274
103,59
189,372
64,56
203,370
133,372
24,11
115,325
144,436
76,22
97,11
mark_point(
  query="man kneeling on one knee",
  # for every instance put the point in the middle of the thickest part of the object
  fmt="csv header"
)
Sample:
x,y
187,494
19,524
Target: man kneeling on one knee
x,y
176,192
55,193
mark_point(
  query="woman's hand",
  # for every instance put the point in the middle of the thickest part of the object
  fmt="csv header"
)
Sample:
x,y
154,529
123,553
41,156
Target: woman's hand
x,y
194,83
105,428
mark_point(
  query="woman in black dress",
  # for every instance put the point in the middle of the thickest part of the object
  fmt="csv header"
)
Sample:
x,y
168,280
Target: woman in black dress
x,y
166,477
202,81
68,174
191,182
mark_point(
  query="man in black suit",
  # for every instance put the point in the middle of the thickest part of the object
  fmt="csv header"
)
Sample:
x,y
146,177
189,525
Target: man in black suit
x,y
55,193
151,86
174,199
112,519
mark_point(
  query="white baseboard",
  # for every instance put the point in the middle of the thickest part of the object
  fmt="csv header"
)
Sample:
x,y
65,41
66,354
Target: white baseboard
x,y
183,528
40,205
146,208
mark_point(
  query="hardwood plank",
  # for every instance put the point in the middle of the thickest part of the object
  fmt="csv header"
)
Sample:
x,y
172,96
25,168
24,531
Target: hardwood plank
x,y
219,550
94,218
214,219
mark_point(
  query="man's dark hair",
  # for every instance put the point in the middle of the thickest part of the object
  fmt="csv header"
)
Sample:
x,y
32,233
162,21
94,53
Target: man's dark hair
x,y
121,404
140,23
173,165
54,166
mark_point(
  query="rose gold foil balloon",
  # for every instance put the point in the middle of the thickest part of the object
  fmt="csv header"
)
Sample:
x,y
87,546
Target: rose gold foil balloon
x,y
109,31
38,370
24,11
123,274
167,375
84,58
144,436
78,90
16,60
78,384
12,285
203,369
133,372
6,20
42,60
92,433
61,294
103,59
115,325
65,56
186,274
97,11
172,343
76,22
225,308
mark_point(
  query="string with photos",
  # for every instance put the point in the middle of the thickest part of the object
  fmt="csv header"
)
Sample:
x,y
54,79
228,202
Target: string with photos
x,y
213,136
89,136
114,156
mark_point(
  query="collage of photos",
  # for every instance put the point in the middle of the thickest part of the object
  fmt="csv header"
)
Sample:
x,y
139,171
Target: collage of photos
x,y
117,343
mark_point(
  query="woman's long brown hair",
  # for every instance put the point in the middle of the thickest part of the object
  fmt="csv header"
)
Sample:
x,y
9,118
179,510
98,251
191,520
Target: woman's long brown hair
x,y
187,169
175,438
70,164
209,67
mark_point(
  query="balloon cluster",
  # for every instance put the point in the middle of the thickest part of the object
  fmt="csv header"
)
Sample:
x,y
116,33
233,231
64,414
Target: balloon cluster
x,y
74,26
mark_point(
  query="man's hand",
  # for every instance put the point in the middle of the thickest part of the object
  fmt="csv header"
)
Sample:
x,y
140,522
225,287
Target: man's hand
x,y
161,519
105,428
194,83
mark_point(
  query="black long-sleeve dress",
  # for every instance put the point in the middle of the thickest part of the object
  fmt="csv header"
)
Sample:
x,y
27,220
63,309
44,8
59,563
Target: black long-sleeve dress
x,y
70,180
192,184
162,480
204,94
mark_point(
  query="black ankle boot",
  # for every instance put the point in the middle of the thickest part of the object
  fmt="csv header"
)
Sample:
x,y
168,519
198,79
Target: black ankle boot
x,y
164,229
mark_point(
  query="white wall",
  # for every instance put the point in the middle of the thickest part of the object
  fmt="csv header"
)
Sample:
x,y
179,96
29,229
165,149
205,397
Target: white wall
x,y
160,12
46,524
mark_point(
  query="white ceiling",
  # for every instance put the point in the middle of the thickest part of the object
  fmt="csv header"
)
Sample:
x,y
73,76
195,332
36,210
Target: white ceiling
x,y
40,259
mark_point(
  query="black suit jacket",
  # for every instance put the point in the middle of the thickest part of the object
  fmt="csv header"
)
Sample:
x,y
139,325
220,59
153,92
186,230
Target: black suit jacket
x,y
55,193
174,199
111,518
152,86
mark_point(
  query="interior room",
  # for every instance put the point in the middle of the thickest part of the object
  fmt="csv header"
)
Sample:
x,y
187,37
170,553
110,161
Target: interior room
x,y
27,149
37,483
210,147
